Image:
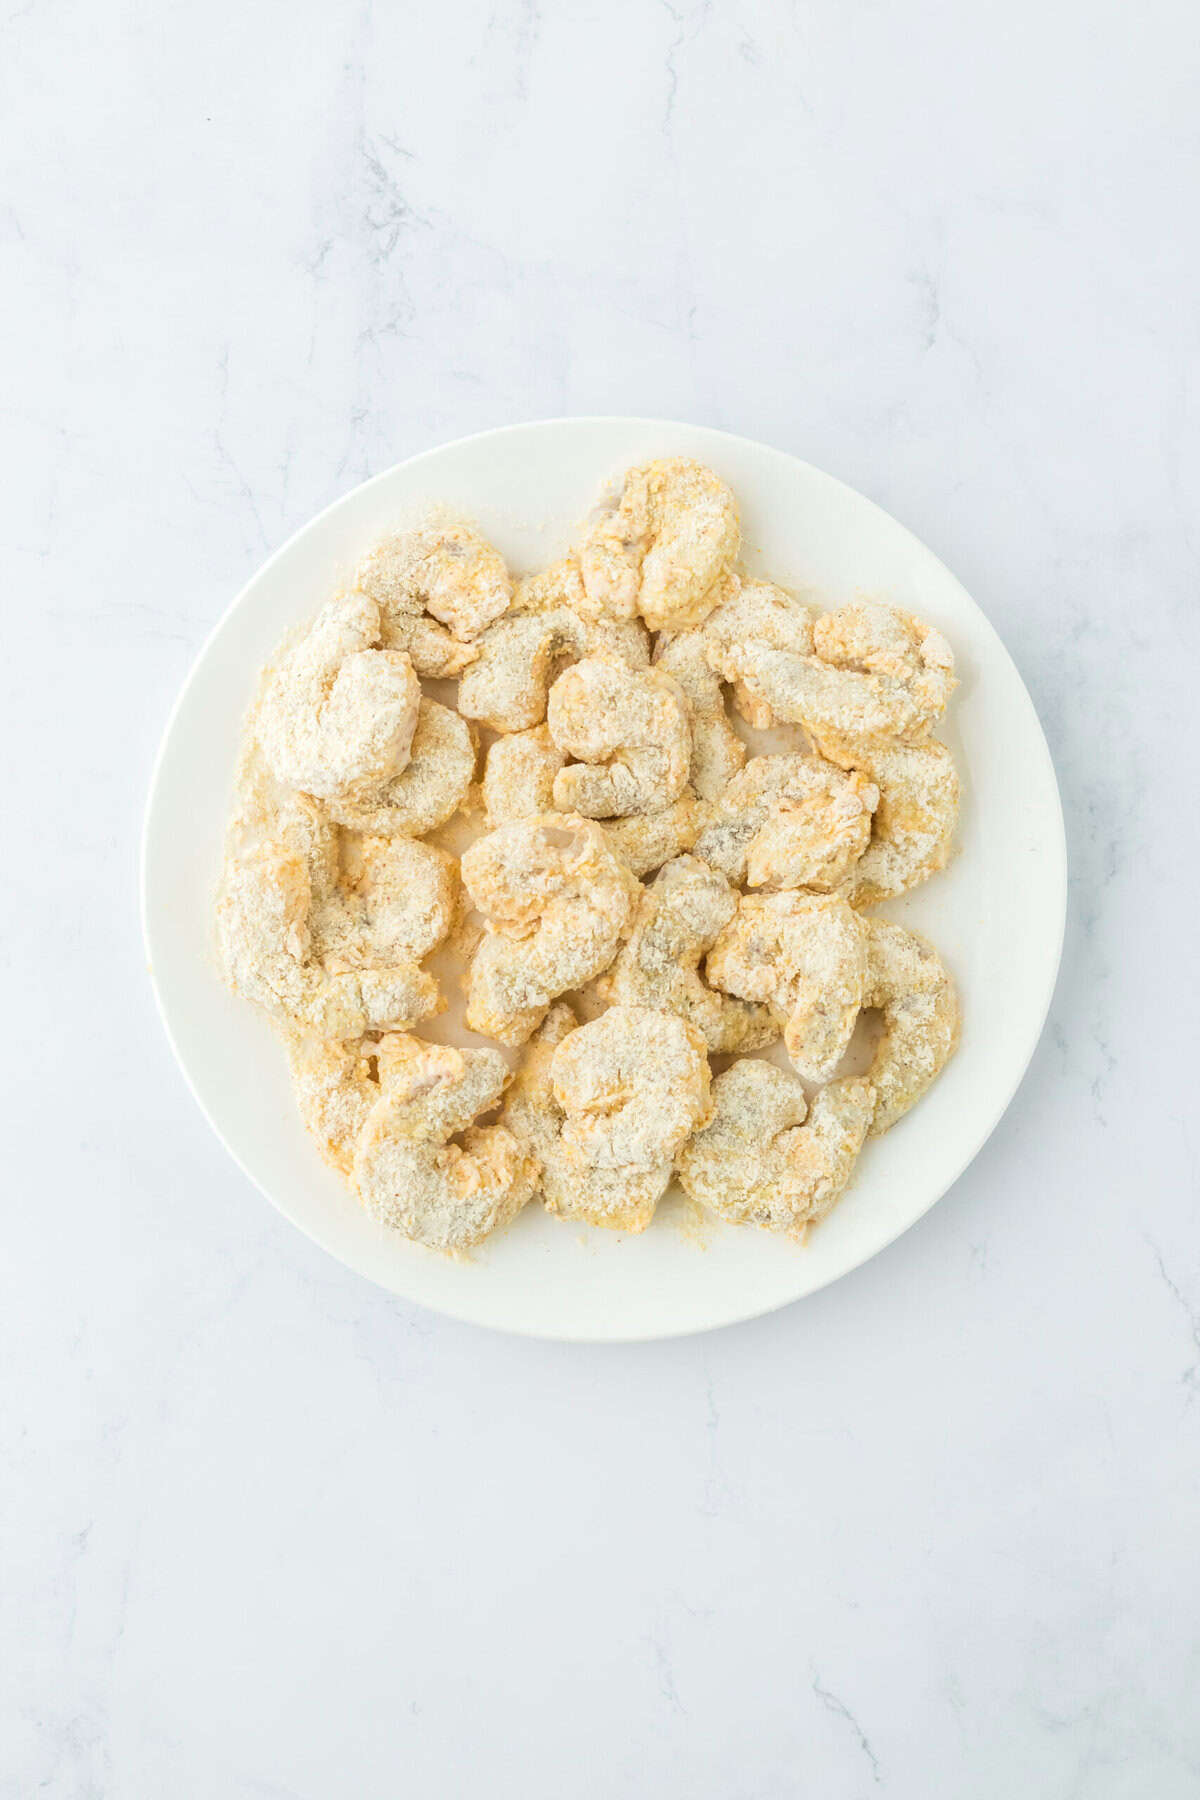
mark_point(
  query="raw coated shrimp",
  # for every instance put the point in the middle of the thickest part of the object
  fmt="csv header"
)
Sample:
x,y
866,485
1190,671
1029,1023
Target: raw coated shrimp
x,y
758,1162
876,675
335,1091
680,917
790,821
518,782
557,900
429,790
622,1197
909,982
398,900
717,750
530,1110
751,617
631,1086
630,730
627,640
437,586
518,776
663,549
409,1172
376,903
336,714
883,640
806,955
506,686
645,841
914,821
609,765
280,912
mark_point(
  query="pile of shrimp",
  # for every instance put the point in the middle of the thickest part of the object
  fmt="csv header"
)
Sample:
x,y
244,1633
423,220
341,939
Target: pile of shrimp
x,y
652,938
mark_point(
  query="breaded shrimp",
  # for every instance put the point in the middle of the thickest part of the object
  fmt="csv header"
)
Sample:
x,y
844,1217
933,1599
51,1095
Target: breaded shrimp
x,y
913,825
505,687
663,548
631,1086
630,730
877,675
437,586
557,901
806,955
909,982
409,1172
645,841
750,618
758,1162
279,912
518,776
429,790
717,750
790,821
679,918
337,714
335,1091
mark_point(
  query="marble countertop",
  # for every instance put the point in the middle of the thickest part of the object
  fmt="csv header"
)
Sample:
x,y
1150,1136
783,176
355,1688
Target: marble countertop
x,y
269,1533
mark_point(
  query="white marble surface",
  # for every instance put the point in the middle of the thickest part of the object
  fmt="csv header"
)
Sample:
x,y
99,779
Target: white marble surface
x,y
268,1533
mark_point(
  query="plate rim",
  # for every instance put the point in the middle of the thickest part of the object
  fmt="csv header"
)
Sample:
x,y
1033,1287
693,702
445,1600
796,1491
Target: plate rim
x,y
1059,876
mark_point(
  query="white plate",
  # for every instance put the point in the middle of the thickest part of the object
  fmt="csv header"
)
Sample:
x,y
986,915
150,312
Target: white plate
x,y
996,915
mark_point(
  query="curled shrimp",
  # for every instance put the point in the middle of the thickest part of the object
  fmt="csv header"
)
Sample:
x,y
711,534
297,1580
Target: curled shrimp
x,y
518,776
913,824
376,903
717,750
632,1084
337,714
663,548
291,942
409,1171
909,983
630,1087
790,821
518,782
335,1091
765,1159
630,730
679,918
530,1110
893,645
429,790
557,900
437,587
645,841
805,955
753,617
621,1197
397,900
876,675
506,686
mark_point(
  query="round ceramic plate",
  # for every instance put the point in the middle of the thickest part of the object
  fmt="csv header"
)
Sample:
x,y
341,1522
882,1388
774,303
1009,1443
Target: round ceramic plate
x,y
996,914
